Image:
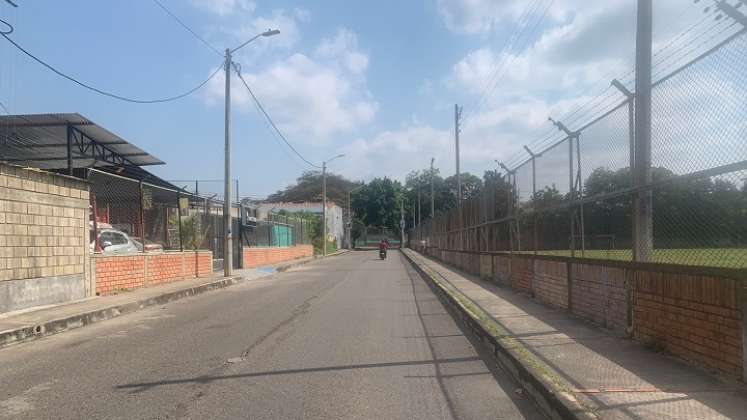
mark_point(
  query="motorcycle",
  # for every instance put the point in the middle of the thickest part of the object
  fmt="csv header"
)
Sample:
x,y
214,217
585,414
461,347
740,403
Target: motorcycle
x,y
382,254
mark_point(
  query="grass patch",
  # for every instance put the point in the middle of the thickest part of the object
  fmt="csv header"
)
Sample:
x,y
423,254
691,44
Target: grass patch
x,y
702,257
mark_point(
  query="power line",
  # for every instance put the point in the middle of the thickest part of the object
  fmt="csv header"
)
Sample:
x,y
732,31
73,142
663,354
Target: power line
x,y
507,46
275,127
103,92
185,26
603,103
7,31
527,40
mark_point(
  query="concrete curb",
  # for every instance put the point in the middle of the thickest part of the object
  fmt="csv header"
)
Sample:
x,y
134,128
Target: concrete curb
x,y
55,326
556,401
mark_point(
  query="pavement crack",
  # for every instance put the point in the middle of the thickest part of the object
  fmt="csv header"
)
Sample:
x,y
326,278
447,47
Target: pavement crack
x,y
299,311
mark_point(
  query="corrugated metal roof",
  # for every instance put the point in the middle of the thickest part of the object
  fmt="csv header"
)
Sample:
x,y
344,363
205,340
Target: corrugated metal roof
x,y
40,140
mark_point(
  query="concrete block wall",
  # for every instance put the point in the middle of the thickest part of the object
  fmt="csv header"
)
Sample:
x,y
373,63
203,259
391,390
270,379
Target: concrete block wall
x,y
115,273
43,238
261,256
700,318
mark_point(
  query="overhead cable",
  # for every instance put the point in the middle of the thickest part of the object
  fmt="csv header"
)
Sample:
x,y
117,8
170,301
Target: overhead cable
x,y
269,119
103,92
185,26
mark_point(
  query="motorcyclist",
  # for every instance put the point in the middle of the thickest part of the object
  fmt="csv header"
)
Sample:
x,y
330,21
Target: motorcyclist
x,y
383,246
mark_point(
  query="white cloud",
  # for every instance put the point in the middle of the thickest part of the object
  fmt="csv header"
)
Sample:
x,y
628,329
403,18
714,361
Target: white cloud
x,y
313,97
225,7
477,16
343,48
395,153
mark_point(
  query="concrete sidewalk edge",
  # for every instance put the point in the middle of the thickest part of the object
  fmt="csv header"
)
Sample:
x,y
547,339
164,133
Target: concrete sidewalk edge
x,y
33,332
534,376
55,326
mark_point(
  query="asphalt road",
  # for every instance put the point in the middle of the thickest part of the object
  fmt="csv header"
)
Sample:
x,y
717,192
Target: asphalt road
x,y
349,337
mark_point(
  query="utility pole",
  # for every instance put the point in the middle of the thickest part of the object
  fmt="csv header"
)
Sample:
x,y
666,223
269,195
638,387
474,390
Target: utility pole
x,y
642,200
349,225
457,128
413,216
324,202
350,217
402,223
227,240
433,201
420,213
324,208
227,245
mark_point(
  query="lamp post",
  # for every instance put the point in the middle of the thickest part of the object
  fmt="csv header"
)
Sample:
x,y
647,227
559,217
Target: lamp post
x,y
350,217
227,239
433,202
324,201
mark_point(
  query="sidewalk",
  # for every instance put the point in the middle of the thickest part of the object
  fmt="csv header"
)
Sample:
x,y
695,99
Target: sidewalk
x,y
576,370
33,323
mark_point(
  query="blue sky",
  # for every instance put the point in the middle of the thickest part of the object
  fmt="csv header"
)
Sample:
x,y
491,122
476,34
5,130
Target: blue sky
x,y
375,80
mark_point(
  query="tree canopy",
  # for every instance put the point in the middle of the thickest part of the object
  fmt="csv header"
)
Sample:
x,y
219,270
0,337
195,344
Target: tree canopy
x,y
308,187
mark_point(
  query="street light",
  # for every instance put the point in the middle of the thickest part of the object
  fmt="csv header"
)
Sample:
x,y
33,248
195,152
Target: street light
x,y
227,239
324,200
350,217
433,202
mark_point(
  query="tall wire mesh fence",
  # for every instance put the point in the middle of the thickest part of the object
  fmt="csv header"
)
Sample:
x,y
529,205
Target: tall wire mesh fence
x,y
279,230
576,196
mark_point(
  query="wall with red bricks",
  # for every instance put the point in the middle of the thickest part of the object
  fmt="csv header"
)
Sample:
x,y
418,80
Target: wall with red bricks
x,y
125,272
119,273
259,257
694,317
599,294
521,274
502,266
550,282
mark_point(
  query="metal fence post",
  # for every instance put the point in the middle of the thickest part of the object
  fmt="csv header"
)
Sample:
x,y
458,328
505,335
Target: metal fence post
x,y
571,196
580,193
534,197
141,213
642,200
96,243
179,216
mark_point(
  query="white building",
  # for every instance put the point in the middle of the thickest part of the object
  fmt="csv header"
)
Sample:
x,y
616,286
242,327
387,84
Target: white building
x,y
335,221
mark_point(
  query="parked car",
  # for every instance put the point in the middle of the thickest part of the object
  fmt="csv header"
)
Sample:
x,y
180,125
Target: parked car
x,y
113,241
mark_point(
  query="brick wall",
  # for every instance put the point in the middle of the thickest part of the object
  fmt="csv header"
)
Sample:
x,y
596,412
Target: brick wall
x,y
598,293
43,238
259,256
126,272
694,317
119,273
502,265
521,274
550,282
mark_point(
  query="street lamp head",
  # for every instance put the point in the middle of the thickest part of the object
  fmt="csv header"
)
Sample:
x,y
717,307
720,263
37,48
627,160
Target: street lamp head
x,y
270,32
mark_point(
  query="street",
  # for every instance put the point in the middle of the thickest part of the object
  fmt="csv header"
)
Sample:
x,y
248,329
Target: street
x,y
346,337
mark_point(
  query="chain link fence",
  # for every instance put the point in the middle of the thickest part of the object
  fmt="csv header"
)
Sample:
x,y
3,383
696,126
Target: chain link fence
x,y
278,231
576,195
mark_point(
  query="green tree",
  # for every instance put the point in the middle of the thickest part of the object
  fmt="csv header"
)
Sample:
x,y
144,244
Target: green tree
x,y
308,187
377,203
